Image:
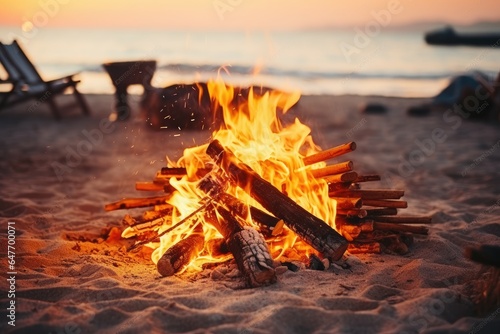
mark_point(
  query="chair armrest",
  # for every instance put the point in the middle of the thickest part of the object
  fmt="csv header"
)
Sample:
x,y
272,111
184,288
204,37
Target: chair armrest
x,y
7,81
14,85
68,78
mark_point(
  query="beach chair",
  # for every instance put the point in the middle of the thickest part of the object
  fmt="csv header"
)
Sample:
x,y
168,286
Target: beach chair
x,y
25,82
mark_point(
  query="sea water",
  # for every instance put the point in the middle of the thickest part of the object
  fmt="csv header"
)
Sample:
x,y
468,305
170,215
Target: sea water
x,y
395,62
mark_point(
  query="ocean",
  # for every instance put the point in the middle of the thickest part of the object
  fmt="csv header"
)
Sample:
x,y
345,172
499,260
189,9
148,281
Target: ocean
x,y
393,62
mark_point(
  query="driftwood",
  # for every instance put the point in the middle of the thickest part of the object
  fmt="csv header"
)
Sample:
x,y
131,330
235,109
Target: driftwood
x,y
311,229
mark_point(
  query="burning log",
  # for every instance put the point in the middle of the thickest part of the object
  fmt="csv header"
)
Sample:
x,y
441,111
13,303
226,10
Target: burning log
x,y
217,247
344,177
333,169
342,186
330,153
155,214
352,213
173,171
181,254
212,184
249,249
141,227
130,203
179,172
311,229
364,248
349,203
237,207
148,186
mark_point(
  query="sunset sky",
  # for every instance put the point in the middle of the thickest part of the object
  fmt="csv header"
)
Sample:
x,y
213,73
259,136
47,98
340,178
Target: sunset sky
x,y
238,14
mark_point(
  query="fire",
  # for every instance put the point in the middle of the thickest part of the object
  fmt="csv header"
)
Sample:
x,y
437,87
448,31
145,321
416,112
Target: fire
x,y
254,132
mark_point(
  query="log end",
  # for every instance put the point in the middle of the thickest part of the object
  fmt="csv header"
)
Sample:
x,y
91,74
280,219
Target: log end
x,y
262,278
339,251
165,267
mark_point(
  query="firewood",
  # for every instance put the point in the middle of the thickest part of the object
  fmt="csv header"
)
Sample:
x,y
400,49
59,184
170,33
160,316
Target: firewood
x,y
351,213
237,207
216,247
168,188
402,228
315,263
344,177
342,186
178,172
311,229
181,254
129,203
381,212
333,169
403,219
364,248
212,184
369,194
148,225
348,203
192,217
385,203
248,247
330,153
173,171
368,178
352,230
155,214
128,220
268,224
148,186
365,225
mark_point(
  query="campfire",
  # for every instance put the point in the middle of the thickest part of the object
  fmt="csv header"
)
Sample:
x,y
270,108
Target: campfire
x,y
261,192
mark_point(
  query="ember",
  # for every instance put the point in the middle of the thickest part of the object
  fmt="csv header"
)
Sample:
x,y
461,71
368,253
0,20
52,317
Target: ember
x,y
263,192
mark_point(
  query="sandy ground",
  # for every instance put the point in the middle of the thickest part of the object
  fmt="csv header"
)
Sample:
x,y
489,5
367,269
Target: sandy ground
x,y
70,281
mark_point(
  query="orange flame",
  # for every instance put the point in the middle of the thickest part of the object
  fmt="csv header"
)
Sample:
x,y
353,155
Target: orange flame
x,y
253,131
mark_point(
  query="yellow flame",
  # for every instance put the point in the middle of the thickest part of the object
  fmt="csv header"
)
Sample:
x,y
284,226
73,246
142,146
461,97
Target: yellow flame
x,y
253,131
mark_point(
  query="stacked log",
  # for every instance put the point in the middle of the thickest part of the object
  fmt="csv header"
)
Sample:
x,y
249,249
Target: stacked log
x,y
367,220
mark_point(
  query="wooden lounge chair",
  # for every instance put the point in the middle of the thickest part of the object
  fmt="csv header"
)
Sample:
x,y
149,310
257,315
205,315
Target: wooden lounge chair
x,y
25,82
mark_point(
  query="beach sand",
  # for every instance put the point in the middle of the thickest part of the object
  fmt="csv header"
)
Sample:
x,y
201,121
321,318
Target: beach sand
x,y
71,281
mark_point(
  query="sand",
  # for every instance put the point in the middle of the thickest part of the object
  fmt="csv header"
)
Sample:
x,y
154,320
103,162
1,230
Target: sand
x,y
71,281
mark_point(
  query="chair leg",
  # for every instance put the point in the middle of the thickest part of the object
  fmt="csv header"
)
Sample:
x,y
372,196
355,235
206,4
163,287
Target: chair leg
x,y
81,100
55,109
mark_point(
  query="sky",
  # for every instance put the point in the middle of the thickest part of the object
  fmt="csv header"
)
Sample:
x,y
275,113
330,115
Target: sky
x,y
241,14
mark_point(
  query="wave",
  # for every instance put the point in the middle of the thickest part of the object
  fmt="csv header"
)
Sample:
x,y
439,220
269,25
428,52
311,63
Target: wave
x,y
244,70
